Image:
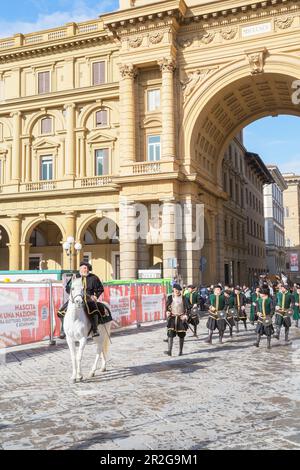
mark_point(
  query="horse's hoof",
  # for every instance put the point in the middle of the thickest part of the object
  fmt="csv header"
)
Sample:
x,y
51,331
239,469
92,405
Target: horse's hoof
x,y
73,381
91,375
79,379
103,369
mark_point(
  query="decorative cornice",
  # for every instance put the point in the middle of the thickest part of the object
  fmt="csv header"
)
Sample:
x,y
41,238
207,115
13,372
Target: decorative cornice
x,y
43,49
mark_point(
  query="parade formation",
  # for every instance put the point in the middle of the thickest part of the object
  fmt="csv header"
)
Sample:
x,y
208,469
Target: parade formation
x,y
272,306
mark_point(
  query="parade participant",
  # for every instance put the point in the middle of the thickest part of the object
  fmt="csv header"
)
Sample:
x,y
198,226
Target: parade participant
x,y
192,299
176,318
92,289
217,304
240,305
265,311
296,308
284,302
253,310
229,298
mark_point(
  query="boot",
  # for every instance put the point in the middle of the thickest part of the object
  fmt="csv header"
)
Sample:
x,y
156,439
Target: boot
x,y
269,342
94,322
62,331
181,341
170,345
257,341
221,337
286,337
230,332
195,330
237,326
209,338
277,332
296,323
245,325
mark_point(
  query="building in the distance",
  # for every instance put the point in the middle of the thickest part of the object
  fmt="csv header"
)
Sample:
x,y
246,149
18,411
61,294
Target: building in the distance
x,y
291,201
274,221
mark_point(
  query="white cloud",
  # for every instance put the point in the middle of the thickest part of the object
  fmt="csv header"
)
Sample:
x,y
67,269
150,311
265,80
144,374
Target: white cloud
x,y
80,12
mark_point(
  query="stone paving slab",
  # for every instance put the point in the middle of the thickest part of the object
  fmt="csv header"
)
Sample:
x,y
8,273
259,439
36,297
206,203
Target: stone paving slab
x,y
229,396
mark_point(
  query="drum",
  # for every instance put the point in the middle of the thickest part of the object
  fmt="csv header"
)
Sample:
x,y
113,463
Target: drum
x,y
222,315
234,313
290,312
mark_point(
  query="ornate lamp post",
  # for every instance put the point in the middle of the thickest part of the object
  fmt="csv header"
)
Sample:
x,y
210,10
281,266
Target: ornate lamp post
x,y
71,248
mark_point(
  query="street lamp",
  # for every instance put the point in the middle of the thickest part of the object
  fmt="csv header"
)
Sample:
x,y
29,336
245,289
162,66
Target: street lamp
x,y
71,248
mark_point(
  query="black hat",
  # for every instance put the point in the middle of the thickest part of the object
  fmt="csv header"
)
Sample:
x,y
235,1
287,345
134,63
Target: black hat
x,y
191,286
88,265
238,288
218,286
265,291
177,286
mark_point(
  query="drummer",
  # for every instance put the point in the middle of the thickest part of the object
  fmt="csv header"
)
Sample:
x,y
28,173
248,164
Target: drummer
x,y
265,311
229,298
217,315
284,310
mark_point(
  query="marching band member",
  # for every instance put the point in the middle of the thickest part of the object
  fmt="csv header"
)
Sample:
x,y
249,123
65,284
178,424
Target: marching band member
x,y
296,308
284,303
240,303
265,311
177,311
216,320
192,298
253,309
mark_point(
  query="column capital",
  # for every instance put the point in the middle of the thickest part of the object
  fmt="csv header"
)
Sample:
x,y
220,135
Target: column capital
x,y
15,114
167,64
69,106
128,71
70,214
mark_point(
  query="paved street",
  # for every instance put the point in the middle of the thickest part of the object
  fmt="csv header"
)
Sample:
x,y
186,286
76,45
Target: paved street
x,y
230,396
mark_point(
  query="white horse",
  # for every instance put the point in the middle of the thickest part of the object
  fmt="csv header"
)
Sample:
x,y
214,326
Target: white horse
x,y
77,328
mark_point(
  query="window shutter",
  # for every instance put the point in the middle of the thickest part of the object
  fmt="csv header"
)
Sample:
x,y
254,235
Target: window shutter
x,y
98,73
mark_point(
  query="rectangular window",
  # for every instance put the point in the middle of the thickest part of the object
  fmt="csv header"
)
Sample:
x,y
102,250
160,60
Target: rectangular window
x,y
43,82
46,125
34,262
153,148
153,100
98,73
101,162
101,118
46,168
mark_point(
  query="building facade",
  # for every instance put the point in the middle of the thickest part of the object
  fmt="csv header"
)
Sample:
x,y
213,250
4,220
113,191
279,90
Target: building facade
x,y
274,222
140,106
291,201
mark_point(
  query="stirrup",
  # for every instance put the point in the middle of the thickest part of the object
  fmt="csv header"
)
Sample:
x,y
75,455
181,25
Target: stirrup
x,y
95,333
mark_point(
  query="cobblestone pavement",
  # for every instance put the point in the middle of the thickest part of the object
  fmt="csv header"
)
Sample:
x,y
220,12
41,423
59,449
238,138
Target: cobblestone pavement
x,y
229,396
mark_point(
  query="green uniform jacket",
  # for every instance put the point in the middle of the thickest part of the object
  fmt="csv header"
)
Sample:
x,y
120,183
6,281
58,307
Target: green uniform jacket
x,y
192,298
220,299
284,301
296,308
254,299
265,306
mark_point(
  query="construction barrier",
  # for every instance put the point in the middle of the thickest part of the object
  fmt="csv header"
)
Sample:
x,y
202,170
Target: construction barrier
x,y
28,310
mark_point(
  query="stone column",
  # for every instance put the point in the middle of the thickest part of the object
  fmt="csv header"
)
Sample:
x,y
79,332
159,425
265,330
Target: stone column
x,y
82,156
16,147
128,240
167,67
170,249
70,141
14,245
127,113
219,242
28,162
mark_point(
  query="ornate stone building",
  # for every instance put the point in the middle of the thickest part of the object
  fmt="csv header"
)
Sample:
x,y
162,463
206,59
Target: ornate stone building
x,y
291,201
139,104
274,221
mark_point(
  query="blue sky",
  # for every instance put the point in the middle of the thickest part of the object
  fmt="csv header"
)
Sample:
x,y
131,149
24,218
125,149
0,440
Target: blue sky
x,y
26,16
275,139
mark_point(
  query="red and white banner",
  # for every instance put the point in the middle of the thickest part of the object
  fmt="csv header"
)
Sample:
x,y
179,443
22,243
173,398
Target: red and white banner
x,y
25,309
25,313
294,262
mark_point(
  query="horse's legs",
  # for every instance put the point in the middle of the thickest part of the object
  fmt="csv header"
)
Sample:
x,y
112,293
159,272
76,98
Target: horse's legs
x,y
72,347
82,344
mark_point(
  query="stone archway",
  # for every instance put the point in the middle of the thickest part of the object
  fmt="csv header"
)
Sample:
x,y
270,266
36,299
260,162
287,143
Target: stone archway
x,y
100,246
4,250
44,247
226,102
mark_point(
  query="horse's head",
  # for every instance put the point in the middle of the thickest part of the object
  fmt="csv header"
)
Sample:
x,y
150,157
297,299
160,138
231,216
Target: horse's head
x,y
76,292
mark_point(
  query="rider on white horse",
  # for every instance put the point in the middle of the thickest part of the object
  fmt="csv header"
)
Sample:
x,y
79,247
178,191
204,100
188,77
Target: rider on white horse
x,y
93,288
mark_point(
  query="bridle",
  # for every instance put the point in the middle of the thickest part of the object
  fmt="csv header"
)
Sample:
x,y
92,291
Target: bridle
x,y
72,298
